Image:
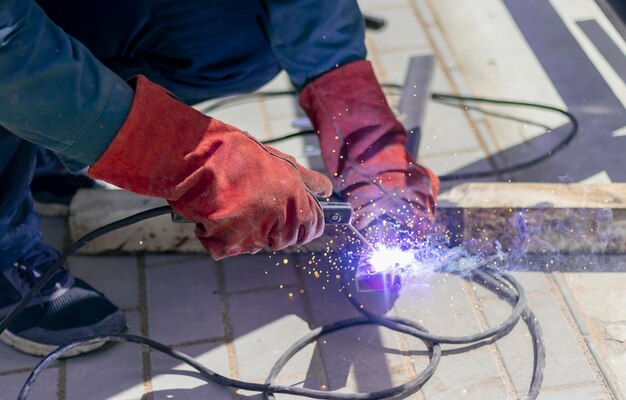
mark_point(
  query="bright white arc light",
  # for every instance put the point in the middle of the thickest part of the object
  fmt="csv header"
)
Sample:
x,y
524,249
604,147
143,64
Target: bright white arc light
x,y
390,258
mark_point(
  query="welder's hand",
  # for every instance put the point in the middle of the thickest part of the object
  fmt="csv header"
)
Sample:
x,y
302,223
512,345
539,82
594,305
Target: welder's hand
x,y
243,195
363,147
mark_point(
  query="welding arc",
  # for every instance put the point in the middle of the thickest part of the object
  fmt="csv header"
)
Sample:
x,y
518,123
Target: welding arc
x,y
485,278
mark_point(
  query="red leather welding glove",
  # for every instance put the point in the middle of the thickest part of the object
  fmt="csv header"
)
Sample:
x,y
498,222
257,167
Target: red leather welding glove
x,y
363,147
243,195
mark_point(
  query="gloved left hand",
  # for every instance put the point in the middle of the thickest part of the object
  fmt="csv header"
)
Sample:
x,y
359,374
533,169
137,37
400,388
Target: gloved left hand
x,y
363,148
243,195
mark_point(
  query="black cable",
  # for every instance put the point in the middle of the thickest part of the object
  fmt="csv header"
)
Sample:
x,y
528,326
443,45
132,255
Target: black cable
x,y
573,131
497,285
502,286
442,98
213,376
489,281
307,132
518,309
73,249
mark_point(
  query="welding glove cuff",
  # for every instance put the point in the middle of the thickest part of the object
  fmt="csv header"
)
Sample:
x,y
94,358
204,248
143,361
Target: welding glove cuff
x,y
243,195
363,148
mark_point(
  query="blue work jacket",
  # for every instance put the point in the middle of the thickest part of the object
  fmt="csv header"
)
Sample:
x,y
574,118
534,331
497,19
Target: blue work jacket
x,y
63,63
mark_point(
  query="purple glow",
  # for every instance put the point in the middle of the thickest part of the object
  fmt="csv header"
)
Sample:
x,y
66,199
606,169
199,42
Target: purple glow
x,y
417,264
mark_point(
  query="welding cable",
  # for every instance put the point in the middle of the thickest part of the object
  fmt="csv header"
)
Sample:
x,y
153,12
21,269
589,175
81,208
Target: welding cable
x,y
398,324
488,280
266,388
409,387
518,309
500,284
392,323
40,283
560,145
443,98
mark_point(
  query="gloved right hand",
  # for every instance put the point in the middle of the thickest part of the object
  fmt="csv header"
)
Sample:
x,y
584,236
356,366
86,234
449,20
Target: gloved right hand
x,y
243,195
363,148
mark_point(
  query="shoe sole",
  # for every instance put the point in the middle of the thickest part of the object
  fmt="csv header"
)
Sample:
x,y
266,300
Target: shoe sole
x,y
41,349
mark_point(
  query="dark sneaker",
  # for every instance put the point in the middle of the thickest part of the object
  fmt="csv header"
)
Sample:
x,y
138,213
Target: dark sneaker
x,y
53,192
66,308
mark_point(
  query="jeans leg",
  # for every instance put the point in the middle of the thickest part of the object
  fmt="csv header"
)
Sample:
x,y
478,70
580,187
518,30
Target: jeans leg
x,y
19,225
48,163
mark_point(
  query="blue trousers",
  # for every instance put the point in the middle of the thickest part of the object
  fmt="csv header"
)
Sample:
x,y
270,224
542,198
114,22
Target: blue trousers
x,y
196,72
19,225
198,49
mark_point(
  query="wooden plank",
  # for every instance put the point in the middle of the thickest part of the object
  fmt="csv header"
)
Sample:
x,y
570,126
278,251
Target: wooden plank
x,y
91,209
534,195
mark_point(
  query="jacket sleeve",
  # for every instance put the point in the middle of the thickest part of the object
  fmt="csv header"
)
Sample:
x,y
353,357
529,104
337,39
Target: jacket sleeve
x,y
311,37
53,91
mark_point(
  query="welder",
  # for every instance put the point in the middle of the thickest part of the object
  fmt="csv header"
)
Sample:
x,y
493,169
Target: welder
x,y
108,85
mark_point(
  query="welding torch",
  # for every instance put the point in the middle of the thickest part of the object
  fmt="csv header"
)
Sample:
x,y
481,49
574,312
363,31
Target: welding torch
x,y
340,213
335,213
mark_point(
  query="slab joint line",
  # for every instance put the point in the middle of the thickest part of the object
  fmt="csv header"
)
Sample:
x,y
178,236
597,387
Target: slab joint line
x,y
583,331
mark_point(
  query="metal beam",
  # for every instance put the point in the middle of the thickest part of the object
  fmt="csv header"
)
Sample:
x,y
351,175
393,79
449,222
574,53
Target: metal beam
x,y
415,95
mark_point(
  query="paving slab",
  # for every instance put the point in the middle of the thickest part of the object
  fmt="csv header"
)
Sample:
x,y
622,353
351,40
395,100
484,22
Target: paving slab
x,y
183,303
327,298
247,116
44,389
280,106
455,379
377,5
493,67
599,302
567,361
355,359
363,359
617,361
454,161
441,304
91,209
249,272
443,307
445,132
401,33
594,392
116,277
12,360
600,296
172,380
264,324
532,282
113,374
575,13
54,231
